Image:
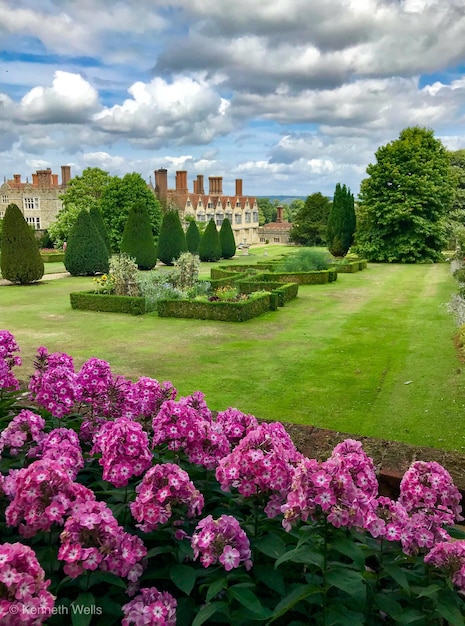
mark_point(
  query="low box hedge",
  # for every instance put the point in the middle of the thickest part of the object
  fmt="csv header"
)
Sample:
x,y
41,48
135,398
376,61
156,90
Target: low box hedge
x,y
285,291
351,267
302,278
89,301
52,257
220,311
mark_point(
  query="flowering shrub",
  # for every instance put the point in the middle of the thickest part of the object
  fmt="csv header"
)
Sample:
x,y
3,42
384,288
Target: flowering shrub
x,y
141,508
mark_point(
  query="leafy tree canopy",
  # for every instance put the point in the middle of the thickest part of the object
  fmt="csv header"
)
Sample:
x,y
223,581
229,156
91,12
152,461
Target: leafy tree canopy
x,y
82,192
404,201
456,215
310,221
117,199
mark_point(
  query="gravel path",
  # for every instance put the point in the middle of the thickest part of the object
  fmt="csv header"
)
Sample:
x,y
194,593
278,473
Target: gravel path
x,y
45,277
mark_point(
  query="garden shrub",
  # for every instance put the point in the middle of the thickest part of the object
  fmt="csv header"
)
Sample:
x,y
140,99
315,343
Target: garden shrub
x,y
210,246
97,218
121,503
305,260
52,257
172,240
110,303
20,260
348,268
124,275
193,237
459,275
137,241
86,253
227,241
220,310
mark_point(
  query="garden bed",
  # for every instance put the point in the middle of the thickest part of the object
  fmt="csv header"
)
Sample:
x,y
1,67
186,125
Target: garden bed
x,y
109,303
219,310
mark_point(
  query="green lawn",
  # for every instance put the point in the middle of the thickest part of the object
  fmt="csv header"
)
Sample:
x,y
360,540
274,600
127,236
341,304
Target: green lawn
x,y
371,354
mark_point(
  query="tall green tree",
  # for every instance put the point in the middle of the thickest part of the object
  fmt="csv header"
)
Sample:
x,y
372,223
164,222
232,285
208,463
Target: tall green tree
x,y
86,253
193,237
227,241
311,220
210,246
82,192
404,201
266,210
117,199
137,239
341,222
97,218
172,241
455,219
20,261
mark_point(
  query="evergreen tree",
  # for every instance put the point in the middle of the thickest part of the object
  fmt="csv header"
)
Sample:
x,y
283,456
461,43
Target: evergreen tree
x,y
403,205
341,222
311,221
20,261
97,218
227,241
172,241
210,246
86,253
193,237
138,240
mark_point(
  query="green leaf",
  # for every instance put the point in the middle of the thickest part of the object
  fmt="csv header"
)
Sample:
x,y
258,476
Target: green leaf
x,y
426,592
208,610
158,550
398,574
272,545
183,577
409,616
349,581
272,578
107,577
299,593
83,609
301,555
215,588
349,547
249,600
388,605
450,613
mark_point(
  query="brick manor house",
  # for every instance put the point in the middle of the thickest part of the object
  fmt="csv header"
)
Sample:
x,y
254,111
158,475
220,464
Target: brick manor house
x,y
240,209
40,202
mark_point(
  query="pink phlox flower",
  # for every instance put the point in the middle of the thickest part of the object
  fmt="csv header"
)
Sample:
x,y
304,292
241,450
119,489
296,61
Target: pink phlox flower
x,y
221,540
25,430
8,360
150,608
62,445
236,424
450,556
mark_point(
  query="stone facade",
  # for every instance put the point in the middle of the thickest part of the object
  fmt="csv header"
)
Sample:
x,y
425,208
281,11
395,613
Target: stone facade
x,y
240,209
38,200
275,232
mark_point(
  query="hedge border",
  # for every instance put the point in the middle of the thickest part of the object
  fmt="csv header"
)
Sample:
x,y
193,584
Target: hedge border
x,y
52,257
108,303
219,311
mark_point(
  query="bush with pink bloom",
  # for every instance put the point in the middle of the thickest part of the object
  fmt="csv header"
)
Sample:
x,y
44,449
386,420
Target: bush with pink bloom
x,y
236,424
24,595
102,392
164,489
53,384
25,431
124,447
450,557
62,445
222,541
150,608
145,398
8,360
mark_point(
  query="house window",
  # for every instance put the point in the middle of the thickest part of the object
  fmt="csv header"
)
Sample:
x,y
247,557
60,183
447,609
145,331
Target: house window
x,y
201,217
247,217
34,221
238,203
262,239
219,219
4,199
210,205
210,216
30,204
188,203
255,216
238,218
276,239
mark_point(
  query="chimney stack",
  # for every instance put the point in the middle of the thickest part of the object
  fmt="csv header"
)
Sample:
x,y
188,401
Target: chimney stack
x,y
65,174
238,186
200,189
181,181
216,185
279,215
161,184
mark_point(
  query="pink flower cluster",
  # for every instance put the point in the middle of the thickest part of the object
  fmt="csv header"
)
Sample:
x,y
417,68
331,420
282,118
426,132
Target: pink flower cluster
x,y
44,495
163,488
93,539
186,428
221,540
52,385
235,424
24,598
150,608
262,463
8,360
62,445
105,393
125,450
343,488
450,556
25,431
145,398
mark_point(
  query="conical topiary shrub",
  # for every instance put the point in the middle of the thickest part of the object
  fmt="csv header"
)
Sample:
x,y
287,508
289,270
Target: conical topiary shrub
x,y
193,238
210,246
137,239
227,241
21,261
86,253
172,241
97,218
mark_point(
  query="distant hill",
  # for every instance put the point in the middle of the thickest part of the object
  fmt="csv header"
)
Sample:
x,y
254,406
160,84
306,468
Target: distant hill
x,y
284,199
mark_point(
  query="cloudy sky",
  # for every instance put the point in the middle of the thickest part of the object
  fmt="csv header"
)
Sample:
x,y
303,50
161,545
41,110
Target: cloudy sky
x,y
292,96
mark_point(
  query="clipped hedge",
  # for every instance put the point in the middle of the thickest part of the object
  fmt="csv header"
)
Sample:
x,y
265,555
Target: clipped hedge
x,y
227,280
302,278
351,267
220,311
52,257
285,291
89,301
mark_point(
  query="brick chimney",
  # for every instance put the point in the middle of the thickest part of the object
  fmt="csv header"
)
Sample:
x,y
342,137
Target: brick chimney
x,y
161,184
238,186
65,174
181,181
216,185
279,215
44,178
17,179
200,188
